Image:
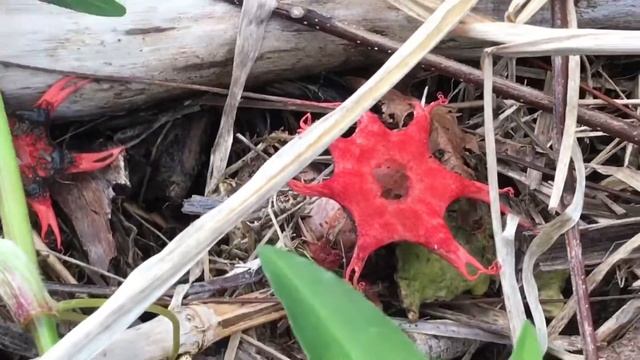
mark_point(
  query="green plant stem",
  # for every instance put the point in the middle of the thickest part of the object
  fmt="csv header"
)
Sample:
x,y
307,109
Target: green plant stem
x,y
16,225
13,204
44,332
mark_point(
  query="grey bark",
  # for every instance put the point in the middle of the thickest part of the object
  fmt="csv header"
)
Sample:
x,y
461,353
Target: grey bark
x,y
192,41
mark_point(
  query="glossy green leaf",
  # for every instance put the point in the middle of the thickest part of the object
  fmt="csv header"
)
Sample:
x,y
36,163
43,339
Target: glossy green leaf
x,y
527,346
110,8
328,317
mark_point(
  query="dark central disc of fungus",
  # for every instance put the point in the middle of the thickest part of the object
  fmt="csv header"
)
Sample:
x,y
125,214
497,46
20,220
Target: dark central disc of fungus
x,y
393,180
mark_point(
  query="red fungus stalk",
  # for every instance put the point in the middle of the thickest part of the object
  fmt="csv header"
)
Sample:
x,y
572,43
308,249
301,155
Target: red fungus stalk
x,y
395,190
40,159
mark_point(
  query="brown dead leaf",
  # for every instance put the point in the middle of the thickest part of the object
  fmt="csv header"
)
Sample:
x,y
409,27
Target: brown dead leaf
x,y
448,142
327,221
515,149
86,199
395,105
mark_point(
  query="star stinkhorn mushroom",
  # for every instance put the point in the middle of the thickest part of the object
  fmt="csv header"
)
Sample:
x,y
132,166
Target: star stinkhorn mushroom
x,y
40,159
395,190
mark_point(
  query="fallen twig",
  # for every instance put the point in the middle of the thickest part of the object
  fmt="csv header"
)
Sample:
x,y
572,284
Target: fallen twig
x,y
566,80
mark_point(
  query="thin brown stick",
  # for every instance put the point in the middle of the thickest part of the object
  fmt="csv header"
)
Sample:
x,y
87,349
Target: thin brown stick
x,y
584,86
262,100
592,118
560,17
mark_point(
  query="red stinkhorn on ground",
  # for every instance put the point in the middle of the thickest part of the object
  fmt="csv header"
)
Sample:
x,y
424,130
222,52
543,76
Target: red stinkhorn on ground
x,y
40,159
395,190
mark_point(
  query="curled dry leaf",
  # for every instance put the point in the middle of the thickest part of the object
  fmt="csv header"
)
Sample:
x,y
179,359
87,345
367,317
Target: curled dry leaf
x,y
395,105
629,176
328,221
449,142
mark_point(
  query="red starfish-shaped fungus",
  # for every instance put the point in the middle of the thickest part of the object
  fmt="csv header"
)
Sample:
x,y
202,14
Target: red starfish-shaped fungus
x,y
41,160
395,190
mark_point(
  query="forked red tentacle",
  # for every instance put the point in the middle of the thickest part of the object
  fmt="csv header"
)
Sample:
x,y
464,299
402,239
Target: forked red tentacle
x,y
43,208
87,162
59,92
323,189
305,122
479,191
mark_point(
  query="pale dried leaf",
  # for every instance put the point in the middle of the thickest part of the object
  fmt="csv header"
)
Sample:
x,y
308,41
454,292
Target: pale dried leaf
x,y
422,9
520,11
568,135
573,42
517,34
548,235
506,255
570,119
505,249
253,21
619,322
627,175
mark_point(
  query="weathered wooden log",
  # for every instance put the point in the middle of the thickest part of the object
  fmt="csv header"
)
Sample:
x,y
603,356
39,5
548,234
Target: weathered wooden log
x,y
192,41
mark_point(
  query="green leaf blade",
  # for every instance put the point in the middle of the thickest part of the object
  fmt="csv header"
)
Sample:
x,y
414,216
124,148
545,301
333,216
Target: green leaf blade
x,y
107,8
329,318
527,346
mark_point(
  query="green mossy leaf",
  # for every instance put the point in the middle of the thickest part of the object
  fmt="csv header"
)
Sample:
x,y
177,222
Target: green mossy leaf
x,y
423,276
550,286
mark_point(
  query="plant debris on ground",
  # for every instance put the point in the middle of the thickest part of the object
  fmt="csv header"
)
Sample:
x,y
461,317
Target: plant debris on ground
x,y
115,218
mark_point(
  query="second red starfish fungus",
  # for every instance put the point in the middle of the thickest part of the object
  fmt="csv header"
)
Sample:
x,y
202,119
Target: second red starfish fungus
x,y
395,190
41,160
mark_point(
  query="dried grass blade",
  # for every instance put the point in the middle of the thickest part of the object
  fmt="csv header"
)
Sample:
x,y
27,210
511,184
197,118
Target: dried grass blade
x,y
506,254
152,278
504,242
253,21
573,42
561,320
518,34
422,9
520,11
629,176
490,143
569,132
414,8
548,235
